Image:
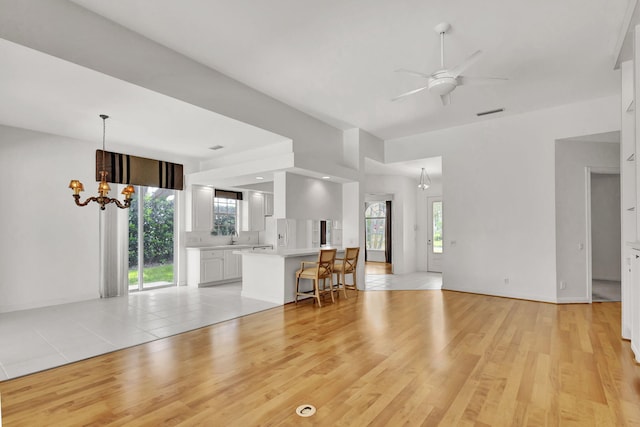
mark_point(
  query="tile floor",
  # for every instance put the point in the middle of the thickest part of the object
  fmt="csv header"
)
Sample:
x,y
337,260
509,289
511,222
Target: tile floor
x,y
33,340
403,282
605,290
43,338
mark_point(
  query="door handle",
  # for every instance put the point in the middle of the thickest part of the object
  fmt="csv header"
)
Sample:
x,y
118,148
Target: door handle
x,y
429,242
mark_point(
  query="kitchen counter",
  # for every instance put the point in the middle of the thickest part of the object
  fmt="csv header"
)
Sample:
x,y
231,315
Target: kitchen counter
x,y
288,253
215,264
269,274
225,247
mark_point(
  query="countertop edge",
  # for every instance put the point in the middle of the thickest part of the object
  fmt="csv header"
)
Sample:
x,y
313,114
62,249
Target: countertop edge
x,y
286,253
228,247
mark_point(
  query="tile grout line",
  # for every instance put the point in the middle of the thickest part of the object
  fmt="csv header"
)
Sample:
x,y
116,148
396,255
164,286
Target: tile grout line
x,y
53,346
98,335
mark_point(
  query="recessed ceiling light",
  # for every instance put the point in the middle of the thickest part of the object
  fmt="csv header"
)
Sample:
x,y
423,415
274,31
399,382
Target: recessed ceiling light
x,y
326,177
216,147
259,177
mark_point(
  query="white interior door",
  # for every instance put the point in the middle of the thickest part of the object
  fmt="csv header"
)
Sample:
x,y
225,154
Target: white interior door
x,y
435,240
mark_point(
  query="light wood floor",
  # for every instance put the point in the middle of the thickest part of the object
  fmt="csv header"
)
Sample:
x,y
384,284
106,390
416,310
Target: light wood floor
x,y
371,267
381,358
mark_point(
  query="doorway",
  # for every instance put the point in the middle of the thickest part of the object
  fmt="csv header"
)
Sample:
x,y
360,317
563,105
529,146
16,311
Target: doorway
x,y
605,235
378,237
151,238
435,240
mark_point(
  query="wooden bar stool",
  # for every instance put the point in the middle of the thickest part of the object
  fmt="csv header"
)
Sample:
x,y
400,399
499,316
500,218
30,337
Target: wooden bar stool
x,y
348,265
316,271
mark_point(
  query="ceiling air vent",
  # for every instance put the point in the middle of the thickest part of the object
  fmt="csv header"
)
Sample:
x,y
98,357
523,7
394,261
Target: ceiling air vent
x,y
216,147
484,113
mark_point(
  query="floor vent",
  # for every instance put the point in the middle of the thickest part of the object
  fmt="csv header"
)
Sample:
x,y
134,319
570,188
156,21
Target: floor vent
x,y
305,410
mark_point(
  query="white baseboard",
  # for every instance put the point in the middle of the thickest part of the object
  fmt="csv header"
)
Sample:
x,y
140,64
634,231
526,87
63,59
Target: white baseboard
x,y
527,297
47,303
573,300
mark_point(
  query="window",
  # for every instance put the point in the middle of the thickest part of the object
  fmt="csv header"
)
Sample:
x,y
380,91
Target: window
x,y
375,217
151,231
437,227
225,216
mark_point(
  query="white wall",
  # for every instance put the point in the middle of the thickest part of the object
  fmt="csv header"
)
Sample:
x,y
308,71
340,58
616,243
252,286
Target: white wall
x,y
48,245
498,193
572,157
605,226
310,198
403,249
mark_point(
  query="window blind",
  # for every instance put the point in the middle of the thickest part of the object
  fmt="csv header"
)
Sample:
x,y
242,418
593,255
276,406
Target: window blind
x,y
226,194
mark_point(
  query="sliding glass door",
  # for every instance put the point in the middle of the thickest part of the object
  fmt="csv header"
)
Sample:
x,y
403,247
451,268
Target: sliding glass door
x,y
151,238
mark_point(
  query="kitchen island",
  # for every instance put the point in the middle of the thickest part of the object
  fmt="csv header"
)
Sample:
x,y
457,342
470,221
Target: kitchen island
x,y
216,264
270,275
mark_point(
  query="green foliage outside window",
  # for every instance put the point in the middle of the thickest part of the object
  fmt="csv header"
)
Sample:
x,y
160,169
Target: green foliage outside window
x,y
375,224
225,217
437,227
158,228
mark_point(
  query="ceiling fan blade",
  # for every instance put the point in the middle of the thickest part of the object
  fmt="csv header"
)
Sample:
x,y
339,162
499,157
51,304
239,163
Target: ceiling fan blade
x,y
456,71
411,92
446,99
464,80
414,73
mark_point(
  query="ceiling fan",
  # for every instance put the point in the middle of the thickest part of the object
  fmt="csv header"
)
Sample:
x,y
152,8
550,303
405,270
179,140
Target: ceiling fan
x,y
443,81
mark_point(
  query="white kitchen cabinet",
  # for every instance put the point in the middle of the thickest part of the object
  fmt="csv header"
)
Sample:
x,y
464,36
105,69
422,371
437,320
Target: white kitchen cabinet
x,y
232,265
268,204
201,208
635,302
211,266
253,212
256,206
204,266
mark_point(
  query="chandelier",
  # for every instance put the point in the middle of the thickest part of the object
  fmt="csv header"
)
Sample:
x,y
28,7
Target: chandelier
x,y
103,187
425,181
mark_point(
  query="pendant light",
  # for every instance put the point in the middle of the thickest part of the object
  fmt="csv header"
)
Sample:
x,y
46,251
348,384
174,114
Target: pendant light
x,y
425,181
103,187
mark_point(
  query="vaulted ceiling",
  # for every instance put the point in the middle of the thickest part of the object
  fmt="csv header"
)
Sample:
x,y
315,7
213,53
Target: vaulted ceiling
x,y
335,60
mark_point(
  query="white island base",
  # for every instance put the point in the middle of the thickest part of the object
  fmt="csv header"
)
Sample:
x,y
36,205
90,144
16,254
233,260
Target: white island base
x,y
271,275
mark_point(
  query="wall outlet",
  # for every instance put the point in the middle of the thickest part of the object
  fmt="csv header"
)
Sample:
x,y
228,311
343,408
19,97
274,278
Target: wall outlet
x,y
563,284
506,280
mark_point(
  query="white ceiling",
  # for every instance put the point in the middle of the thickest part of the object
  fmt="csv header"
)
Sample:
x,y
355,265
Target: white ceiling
x,y
411,169
334,59
47,94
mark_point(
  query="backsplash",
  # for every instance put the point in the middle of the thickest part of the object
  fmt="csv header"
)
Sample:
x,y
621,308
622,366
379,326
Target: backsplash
x,y
204,238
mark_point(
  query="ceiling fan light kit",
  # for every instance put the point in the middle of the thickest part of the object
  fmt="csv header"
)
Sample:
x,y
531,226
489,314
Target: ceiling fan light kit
x,y
444,81
441,83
